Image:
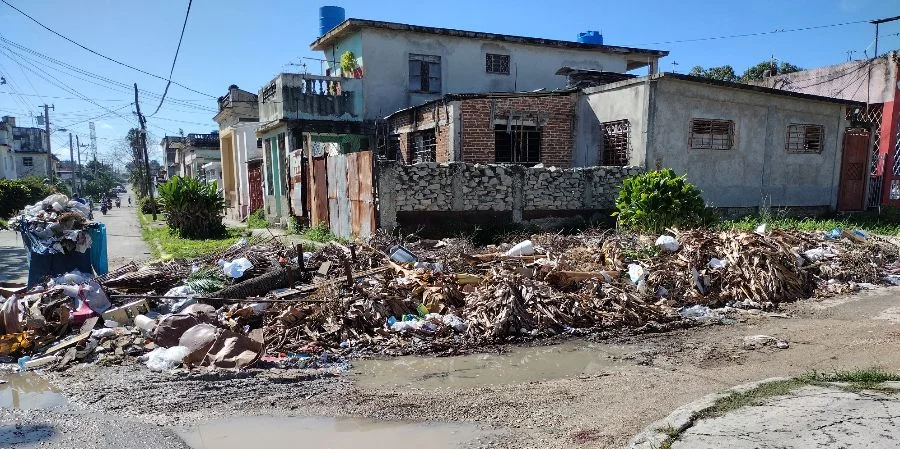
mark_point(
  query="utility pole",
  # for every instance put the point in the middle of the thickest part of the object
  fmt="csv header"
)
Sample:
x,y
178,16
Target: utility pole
x,y
143,123
51,174
80,179
93,140
879,22
72,162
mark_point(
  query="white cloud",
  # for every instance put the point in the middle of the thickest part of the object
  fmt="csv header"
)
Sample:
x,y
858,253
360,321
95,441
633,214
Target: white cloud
x,y
104,125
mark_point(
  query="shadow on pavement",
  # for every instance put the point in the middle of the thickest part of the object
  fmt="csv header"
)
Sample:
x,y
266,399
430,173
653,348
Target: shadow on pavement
x,y
27,433
13,263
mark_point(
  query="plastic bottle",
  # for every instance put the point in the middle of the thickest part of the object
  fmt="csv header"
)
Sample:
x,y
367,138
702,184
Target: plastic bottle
x,y
145,324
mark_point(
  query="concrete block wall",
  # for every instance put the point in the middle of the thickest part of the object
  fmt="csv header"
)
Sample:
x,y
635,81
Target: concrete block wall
x,y
490,189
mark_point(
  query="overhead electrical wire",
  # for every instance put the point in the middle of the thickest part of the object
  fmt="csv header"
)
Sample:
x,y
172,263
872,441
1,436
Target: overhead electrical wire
x,y
761,33
124,87
59,84
175,59
100,54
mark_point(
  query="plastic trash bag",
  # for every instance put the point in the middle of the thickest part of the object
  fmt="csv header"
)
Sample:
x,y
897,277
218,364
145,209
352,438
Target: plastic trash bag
x,y
667,243
455,322
524,248
636,273
717,263
165,359
237,267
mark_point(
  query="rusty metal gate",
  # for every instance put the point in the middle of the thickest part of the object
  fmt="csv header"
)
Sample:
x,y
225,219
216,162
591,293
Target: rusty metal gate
x,y
855,156
351,207
255,182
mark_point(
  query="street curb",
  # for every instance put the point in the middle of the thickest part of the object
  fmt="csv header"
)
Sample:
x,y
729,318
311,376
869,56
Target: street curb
x,y
653,436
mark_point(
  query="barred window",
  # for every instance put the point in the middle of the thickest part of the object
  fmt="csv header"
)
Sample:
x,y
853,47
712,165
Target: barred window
x,y
805,138
616,142
710,134
494,63
421,146
28,161
517,144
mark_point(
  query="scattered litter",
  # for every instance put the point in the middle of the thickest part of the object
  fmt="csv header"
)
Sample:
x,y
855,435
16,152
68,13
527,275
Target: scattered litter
x,y
759,341
524,248
237,267
636,273
165,359
717,263
667,243
761,229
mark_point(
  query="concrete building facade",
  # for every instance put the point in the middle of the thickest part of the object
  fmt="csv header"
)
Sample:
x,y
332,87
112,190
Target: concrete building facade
x,y
743,146
400,65
238,119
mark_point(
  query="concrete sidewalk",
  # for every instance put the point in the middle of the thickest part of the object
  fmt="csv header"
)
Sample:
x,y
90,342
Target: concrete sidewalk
x,y
817,416
811,417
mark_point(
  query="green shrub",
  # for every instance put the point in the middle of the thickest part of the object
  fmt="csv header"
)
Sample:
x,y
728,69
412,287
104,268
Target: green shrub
x,y
193,208
15,194
656,200
148,206
319,233
257,220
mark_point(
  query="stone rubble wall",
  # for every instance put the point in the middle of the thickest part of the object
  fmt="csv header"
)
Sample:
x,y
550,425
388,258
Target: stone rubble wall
x,y
457,186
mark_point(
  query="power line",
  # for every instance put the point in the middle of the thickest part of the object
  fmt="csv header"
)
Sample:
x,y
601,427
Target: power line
x,y
172,69
732,36
57,98
122,86
106,114
62,85
100,54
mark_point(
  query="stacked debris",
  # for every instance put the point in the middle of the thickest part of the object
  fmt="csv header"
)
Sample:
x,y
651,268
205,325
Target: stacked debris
x,y
261,303
55,225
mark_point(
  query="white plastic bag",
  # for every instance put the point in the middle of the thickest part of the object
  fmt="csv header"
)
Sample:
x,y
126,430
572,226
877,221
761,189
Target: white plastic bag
x,y
717,263
667,243
237,267
165,359
636,273
455,322
524,248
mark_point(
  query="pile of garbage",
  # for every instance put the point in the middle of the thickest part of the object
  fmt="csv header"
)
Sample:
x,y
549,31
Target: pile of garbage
x,y
260,303
56,224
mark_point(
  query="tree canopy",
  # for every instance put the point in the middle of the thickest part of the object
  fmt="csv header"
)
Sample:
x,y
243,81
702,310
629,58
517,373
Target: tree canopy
x,y
754,73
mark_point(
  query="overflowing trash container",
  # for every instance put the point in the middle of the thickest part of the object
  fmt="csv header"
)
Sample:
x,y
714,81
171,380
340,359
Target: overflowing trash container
x,y
60,238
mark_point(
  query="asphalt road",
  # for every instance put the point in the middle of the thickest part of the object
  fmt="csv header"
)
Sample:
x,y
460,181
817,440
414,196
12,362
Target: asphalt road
x,y
123,237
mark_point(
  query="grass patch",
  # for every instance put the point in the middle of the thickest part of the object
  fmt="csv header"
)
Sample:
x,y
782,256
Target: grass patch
x,y
3,224
866,379
755,396
165,244
257,220
886,223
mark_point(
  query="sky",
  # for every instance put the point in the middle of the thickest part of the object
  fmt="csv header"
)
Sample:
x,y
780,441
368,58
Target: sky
x,y
249,42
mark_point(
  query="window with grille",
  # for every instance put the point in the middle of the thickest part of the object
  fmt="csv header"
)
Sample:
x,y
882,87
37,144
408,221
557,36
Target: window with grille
x,y
805,138
421,146
517,144
616,142
28,161
709,134
494,63
424,73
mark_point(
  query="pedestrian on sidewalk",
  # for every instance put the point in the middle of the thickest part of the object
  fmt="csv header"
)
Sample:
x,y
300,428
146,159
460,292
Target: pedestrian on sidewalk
x,y
129,200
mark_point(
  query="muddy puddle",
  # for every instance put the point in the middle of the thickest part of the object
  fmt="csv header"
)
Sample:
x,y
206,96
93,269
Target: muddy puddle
x,y
331,433
28,391
520,365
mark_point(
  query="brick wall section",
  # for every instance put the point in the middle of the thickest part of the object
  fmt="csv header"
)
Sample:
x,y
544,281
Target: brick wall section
x,y
425,118
554,114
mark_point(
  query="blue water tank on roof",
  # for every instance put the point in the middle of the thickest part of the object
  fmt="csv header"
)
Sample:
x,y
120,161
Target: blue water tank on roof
x,y
590,37
329,17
